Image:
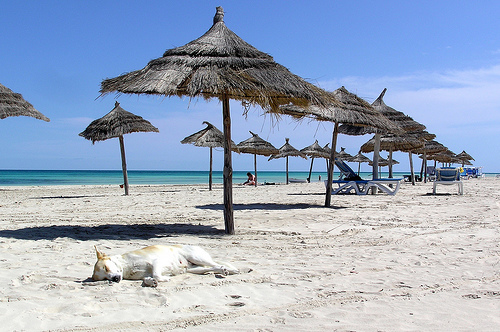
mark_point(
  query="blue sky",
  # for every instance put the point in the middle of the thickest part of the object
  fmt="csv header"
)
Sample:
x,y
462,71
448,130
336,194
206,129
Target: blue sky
x,y
439,60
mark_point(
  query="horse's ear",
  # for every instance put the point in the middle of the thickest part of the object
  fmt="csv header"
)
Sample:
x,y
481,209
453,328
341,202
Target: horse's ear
x,y
99,254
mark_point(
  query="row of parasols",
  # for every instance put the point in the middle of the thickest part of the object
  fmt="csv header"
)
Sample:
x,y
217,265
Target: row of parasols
x,y
221,65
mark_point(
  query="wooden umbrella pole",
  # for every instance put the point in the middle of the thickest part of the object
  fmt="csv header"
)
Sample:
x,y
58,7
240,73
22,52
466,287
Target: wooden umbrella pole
x,y
411,169
228,168
286,169
124,165
425,165
328,198
210,174
390,164
376,155
310,170
255,167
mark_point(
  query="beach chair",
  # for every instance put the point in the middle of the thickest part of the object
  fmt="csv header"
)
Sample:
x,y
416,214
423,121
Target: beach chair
x,y
448,176
346,173
346,186
388,186
431,173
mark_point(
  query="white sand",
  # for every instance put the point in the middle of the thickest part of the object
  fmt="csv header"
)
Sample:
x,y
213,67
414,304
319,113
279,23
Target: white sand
x,y
412,262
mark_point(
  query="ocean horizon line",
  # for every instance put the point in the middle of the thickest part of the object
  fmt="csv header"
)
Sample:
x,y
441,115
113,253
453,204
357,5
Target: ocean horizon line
x,y
157,177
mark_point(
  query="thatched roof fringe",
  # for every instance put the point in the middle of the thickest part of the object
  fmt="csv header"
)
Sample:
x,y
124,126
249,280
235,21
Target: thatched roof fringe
x,y
220,62
116,123
13,104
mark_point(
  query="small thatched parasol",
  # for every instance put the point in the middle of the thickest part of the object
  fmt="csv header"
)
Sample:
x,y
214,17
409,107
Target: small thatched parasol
x,y
287,151
210,137
360,158
384,162
13,104
445,157
256,146
117,123
465,158
342,155
430,147
391,143
353,111
314,151
221,65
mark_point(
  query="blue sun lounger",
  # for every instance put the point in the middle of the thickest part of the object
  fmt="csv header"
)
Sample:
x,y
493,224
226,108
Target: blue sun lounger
x,y
448,176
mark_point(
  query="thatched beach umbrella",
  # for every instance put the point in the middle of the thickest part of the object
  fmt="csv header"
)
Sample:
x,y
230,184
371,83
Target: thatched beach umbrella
x,y
221,65
360,158
256,146
210,137
342,155
13,104
314,151
465,158
353,111
391,143
430,147
287,151
117,123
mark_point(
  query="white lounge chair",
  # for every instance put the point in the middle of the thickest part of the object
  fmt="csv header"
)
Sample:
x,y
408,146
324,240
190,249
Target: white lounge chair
x,y
389,186
448,176
362,187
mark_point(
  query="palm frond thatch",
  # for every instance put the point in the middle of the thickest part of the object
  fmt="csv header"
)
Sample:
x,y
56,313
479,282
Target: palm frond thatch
x,y
287,150
430,147
464,156
220,63
393,143
315,151
353,110
116,123
257,145
209,137
13,104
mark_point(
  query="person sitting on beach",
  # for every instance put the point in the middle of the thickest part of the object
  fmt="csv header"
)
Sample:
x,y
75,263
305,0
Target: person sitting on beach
x,y
251,179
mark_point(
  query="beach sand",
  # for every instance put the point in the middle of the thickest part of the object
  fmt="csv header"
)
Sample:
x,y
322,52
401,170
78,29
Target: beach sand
x,y
410,262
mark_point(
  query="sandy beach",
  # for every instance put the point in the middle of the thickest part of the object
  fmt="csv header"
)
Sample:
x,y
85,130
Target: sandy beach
x,y
410,262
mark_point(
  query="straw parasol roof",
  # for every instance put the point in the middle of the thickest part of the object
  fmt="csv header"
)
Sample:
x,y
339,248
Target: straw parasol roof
x,y
446,156
221,65
353,111
360,158
464,156
287,151
314,151
430,147
342,155
385,162
393,143
257,146
210,137
117,123
13,104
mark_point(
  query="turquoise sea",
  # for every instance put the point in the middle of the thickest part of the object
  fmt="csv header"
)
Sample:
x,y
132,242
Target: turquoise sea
x,y
115,177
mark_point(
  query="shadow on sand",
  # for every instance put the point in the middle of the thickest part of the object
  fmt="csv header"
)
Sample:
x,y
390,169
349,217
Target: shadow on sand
x,y
108,232
264,206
